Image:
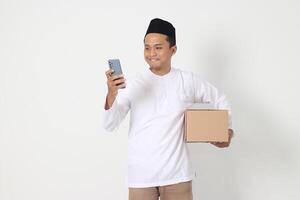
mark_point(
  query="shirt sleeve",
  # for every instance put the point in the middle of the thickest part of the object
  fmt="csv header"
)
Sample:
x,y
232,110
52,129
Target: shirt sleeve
x,y
207,93
112,118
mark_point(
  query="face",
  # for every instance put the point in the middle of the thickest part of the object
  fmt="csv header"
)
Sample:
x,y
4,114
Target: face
x,y
157,51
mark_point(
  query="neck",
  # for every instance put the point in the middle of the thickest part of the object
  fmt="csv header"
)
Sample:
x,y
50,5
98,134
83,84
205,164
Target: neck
x,y
161,71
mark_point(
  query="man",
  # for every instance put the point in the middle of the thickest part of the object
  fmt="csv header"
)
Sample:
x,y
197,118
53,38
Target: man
x,y
158,158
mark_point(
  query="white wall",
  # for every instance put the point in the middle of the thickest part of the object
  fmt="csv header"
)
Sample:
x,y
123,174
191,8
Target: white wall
x,y
53,56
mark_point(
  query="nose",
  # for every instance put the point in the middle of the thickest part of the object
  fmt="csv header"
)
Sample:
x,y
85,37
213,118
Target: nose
x,y
152,52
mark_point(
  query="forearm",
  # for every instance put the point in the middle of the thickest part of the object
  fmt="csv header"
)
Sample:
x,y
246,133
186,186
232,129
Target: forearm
x,y
109,101
114,112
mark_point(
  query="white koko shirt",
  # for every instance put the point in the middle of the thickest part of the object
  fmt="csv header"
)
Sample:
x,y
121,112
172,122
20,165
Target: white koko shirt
x,y
157,153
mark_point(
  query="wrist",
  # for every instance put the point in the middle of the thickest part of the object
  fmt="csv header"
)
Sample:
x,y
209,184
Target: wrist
x,y
111,95
109,102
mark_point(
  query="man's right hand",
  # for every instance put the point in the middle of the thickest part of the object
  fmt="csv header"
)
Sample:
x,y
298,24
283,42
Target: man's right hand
x,y
114,83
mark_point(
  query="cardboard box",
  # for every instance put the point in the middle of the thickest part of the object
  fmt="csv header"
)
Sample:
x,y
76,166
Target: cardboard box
x,y
206,125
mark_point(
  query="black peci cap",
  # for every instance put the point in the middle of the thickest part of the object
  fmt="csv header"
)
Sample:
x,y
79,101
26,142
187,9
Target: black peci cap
x,y
163,27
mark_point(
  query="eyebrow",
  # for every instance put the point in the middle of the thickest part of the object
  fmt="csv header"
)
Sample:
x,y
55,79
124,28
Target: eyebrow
x,y
158,44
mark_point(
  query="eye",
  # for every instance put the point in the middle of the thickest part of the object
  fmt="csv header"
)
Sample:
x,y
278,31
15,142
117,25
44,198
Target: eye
x,y
158,47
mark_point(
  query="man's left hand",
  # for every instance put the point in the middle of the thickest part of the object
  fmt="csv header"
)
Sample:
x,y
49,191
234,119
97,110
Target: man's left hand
x,y
224,144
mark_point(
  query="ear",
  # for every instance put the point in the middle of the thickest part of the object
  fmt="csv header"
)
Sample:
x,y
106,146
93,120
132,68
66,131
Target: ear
x,y
173,49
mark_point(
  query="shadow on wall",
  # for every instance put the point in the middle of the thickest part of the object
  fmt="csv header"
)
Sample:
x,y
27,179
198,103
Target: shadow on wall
x,y
258,155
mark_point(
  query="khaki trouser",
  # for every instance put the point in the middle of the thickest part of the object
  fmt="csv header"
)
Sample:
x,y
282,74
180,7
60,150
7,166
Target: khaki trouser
x,y
180,191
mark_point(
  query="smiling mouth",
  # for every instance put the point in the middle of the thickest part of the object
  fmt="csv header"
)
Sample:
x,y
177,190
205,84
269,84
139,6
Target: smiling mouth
x,y
153,59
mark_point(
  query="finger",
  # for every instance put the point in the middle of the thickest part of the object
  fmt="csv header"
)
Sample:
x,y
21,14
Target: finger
x,y
216,142
116,81
114,77
119,81
121,86
114,84
109,72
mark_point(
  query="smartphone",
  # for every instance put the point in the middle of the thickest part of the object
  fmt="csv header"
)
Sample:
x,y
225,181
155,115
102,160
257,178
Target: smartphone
x,y
115,65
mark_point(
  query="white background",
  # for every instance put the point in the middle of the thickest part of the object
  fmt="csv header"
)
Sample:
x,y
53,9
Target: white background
x,y
53,55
